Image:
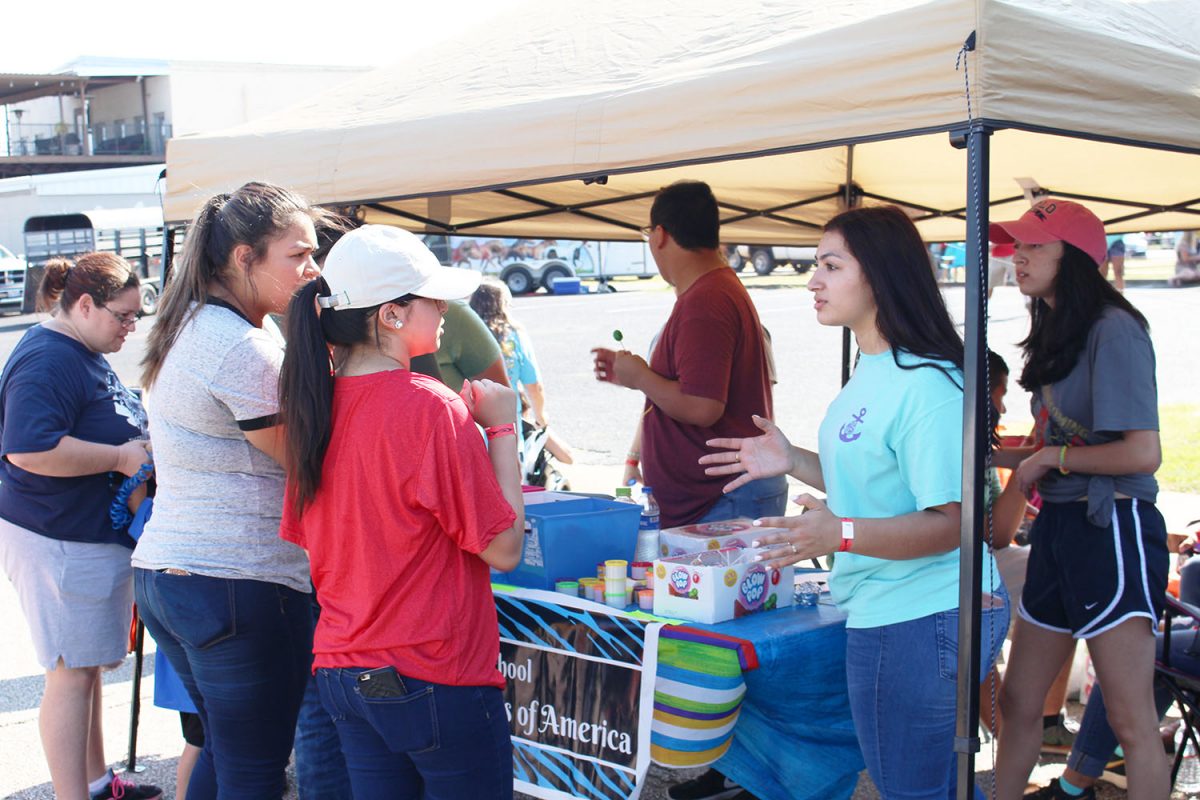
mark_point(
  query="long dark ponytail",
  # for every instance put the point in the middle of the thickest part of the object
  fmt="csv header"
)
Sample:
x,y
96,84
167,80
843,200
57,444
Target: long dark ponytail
x,y
910,310
306,381
1058,335
253,215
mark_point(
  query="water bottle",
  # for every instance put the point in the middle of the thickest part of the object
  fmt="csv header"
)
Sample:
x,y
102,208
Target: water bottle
x,y
647,541
623,494
1188,779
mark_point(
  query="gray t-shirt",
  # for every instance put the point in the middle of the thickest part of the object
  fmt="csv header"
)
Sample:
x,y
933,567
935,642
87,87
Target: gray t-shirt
x,y
219,497
1112,389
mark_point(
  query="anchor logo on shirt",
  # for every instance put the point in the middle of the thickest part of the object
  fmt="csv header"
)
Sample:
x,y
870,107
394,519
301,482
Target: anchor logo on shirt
x,y
849,432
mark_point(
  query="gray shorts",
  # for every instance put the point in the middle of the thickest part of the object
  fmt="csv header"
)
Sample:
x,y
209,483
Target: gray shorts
x,y
77,596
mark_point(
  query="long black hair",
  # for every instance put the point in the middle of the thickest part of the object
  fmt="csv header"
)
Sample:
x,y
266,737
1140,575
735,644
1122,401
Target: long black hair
x,y
910,310
1058,335
306,380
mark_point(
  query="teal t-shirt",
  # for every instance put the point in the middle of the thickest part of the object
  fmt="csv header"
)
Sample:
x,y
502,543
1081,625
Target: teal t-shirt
x,y
891,444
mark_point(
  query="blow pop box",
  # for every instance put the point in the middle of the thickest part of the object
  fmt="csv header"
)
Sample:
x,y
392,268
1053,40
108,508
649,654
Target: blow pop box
x,y
702,536
717,585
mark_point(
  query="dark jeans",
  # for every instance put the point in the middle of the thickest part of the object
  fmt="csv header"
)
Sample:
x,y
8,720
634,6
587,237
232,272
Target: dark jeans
x,y
426,740
243,650
320,768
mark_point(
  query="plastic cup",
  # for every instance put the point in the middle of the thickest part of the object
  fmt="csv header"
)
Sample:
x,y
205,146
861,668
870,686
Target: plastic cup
x,y
807,593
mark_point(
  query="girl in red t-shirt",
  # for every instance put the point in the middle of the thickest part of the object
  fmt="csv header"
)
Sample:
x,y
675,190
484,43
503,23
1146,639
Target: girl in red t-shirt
x,y
402,510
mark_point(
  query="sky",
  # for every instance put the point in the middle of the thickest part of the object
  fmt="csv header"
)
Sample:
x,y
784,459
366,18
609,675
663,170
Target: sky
x,y
362,32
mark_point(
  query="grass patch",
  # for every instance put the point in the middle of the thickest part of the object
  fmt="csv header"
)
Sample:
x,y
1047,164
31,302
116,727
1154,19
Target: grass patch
x,y
1180,431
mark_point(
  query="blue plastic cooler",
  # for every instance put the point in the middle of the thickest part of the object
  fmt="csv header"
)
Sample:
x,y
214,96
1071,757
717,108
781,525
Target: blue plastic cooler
x,y
566,539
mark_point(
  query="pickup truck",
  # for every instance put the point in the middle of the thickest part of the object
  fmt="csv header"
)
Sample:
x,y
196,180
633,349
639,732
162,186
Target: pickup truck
x,y
765,258
12,280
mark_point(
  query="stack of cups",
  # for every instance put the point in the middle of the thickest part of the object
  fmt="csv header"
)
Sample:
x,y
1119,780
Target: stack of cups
x,y
615,578
588,589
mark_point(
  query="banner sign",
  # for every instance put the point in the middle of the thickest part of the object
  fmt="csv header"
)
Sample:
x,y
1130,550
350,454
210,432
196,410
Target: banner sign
x,y
579,694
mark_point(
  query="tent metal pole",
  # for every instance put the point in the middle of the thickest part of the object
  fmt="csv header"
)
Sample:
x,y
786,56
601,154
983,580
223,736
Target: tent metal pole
x,y
847,198
976,442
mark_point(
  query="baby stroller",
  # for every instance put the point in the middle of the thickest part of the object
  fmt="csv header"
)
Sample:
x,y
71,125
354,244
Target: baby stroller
x,y
538,466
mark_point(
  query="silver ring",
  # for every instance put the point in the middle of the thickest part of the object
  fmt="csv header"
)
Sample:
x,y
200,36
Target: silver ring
x,y
794,550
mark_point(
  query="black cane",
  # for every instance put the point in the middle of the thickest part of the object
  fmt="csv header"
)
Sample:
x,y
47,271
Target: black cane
x,y
135,706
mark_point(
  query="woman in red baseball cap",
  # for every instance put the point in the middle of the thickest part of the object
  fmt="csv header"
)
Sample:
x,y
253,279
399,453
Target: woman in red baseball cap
x,y
1098,563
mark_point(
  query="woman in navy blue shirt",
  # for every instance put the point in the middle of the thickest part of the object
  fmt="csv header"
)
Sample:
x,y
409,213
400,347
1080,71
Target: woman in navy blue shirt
x,y
69,434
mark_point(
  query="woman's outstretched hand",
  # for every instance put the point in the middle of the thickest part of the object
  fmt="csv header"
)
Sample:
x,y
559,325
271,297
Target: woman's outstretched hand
x,y
750,459
816,532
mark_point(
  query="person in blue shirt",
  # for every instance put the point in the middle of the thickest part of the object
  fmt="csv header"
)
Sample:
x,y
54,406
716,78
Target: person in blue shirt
x,y
890,463
492,301
69,434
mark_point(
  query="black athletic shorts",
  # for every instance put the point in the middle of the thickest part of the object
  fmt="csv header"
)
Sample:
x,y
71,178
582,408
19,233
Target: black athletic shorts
x,y
193,730
1083,579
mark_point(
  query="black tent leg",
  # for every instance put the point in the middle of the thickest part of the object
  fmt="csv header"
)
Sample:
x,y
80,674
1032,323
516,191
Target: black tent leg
x,y
975,449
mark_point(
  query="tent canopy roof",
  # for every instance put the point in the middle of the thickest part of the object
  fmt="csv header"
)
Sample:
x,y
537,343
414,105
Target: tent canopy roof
x,y
565,118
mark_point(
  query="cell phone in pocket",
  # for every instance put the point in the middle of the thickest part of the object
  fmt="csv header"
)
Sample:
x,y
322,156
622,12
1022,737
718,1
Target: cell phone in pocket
x,y
380,683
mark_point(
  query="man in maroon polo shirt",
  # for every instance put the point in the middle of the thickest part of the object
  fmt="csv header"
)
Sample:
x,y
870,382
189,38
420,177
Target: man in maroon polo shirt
x,y
708,374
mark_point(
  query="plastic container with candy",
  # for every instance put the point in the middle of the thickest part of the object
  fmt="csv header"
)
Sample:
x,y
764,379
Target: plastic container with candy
x,y
716,585
739,532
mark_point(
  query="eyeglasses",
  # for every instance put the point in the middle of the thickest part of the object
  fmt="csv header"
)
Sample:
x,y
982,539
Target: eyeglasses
x,y
127,320
646,231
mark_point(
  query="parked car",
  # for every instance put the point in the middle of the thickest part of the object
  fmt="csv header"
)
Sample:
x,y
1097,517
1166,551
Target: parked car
x,y
12,280
764,258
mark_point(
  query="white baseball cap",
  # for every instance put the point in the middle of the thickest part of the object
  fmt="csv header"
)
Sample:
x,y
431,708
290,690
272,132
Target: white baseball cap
x,y
375,264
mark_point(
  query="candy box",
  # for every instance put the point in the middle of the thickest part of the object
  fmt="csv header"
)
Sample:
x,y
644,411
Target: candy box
x,y
717,585
738,532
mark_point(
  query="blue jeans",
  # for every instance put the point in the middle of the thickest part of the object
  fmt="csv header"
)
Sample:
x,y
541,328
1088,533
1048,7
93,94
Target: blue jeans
x,y
320,768
902,681
425,740
243,649
765,497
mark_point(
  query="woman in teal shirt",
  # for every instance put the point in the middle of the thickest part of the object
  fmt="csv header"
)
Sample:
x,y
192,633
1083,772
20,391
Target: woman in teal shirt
x,y
890,462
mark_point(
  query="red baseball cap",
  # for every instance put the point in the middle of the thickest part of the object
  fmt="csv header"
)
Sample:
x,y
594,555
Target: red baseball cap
x,y
1053,220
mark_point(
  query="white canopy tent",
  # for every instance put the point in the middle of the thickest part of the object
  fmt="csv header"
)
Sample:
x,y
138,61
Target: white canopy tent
x,y
563,121
564,118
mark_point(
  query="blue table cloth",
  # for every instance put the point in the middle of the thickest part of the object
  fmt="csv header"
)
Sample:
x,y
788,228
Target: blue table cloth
x,y
794,737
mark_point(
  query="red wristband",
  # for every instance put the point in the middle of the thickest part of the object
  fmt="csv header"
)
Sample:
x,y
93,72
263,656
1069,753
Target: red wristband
x,y
632,462
847,534
500,431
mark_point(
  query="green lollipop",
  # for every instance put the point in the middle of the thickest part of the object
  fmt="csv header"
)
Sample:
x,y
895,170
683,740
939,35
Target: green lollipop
x,y
618,336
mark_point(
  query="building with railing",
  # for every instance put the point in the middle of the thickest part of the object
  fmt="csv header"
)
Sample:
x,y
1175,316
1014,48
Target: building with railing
x,y
107,112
